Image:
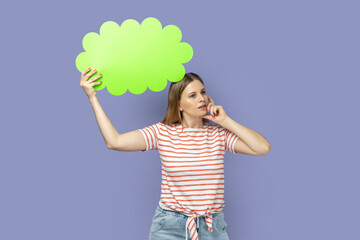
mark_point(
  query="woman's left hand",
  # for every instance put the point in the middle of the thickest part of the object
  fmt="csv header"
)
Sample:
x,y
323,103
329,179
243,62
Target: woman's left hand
x,y
217,113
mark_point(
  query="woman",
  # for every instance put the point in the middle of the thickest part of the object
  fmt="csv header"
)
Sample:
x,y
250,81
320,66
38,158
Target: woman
x,y
192,155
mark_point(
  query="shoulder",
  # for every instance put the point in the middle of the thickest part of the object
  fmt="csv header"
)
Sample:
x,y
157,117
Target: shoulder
x,y
165,127
160,124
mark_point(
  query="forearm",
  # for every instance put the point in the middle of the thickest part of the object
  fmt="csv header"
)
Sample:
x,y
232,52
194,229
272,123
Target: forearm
x,y
254,140
107,130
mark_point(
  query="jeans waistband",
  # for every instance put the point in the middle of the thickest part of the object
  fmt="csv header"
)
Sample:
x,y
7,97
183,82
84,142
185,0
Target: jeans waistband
x,y
178,214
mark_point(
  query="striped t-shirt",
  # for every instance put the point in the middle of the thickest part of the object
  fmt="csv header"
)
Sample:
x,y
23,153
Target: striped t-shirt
x,y
192,168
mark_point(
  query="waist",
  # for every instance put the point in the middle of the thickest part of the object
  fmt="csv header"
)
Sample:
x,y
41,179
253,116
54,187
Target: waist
x,y
179,214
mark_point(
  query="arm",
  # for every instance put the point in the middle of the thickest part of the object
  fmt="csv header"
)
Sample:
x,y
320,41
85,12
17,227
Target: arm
x,y
251,142
108,131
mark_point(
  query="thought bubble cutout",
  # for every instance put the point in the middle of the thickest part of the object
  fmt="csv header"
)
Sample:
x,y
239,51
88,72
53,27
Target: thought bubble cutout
x,y
134,56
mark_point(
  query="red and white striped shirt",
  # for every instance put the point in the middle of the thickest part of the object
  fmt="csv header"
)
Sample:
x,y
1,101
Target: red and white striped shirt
x,y
192,168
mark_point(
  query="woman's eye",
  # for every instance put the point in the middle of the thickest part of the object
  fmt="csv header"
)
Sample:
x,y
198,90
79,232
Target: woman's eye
x,y
194,94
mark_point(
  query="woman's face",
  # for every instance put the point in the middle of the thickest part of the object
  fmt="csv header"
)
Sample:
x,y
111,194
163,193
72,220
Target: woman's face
x,y
193,96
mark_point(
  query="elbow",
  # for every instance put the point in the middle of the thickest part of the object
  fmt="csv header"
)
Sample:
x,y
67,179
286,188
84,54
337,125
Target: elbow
x,y
109,146
265,151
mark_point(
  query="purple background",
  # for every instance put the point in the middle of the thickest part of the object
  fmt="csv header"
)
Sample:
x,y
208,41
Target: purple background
x,y
286,69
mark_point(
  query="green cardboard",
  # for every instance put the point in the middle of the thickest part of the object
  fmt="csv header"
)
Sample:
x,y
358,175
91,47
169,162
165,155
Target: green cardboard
x,y
135,57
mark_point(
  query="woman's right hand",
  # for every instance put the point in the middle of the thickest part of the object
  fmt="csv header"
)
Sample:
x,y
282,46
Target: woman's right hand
x,y
86,84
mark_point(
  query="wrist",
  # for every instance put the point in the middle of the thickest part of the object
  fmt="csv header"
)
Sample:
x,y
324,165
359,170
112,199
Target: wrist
x,y
226,122
92,98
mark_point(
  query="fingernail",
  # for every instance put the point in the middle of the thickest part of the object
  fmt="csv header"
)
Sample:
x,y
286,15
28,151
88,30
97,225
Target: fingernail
x,y
212,115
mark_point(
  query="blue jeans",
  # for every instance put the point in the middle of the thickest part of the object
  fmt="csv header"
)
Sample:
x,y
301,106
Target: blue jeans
x,y
170,225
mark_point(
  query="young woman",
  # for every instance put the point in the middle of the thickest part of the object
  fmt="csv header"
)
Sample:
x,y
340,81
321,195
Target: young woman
x,y
192,156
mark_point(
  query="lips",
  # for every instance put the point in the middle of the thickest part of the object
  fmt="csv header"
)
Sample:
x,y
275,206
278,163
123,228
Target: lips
x,y
202,106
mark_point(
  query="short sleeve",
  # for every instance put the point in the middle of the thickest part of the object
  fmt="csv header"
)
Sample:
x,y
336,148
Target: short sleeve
x,y
150,135
230,140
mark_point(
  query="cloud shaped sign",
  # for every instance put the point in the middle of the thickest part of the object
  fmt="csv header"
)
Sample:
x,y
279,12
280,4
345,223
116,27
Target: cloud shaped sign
x,y
135,57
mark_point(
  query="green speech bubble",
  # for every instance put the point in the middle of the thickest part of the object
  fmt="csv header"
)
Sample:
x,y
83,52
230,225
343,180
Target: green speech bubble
x,y
134,56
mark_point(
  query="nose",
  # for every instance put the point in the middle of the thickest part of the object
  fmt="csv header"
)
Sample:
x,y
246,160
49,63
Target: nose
x,y
202,99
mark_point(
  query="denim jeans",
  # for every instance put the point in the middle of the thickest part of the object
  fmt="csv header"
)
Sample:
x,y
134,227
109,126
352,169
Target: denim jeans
x,y
170,225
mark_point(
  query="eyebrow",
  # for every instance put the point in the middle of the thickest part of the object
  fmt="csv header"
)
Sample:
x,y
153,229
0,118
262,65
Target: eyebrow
x,y
194,92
